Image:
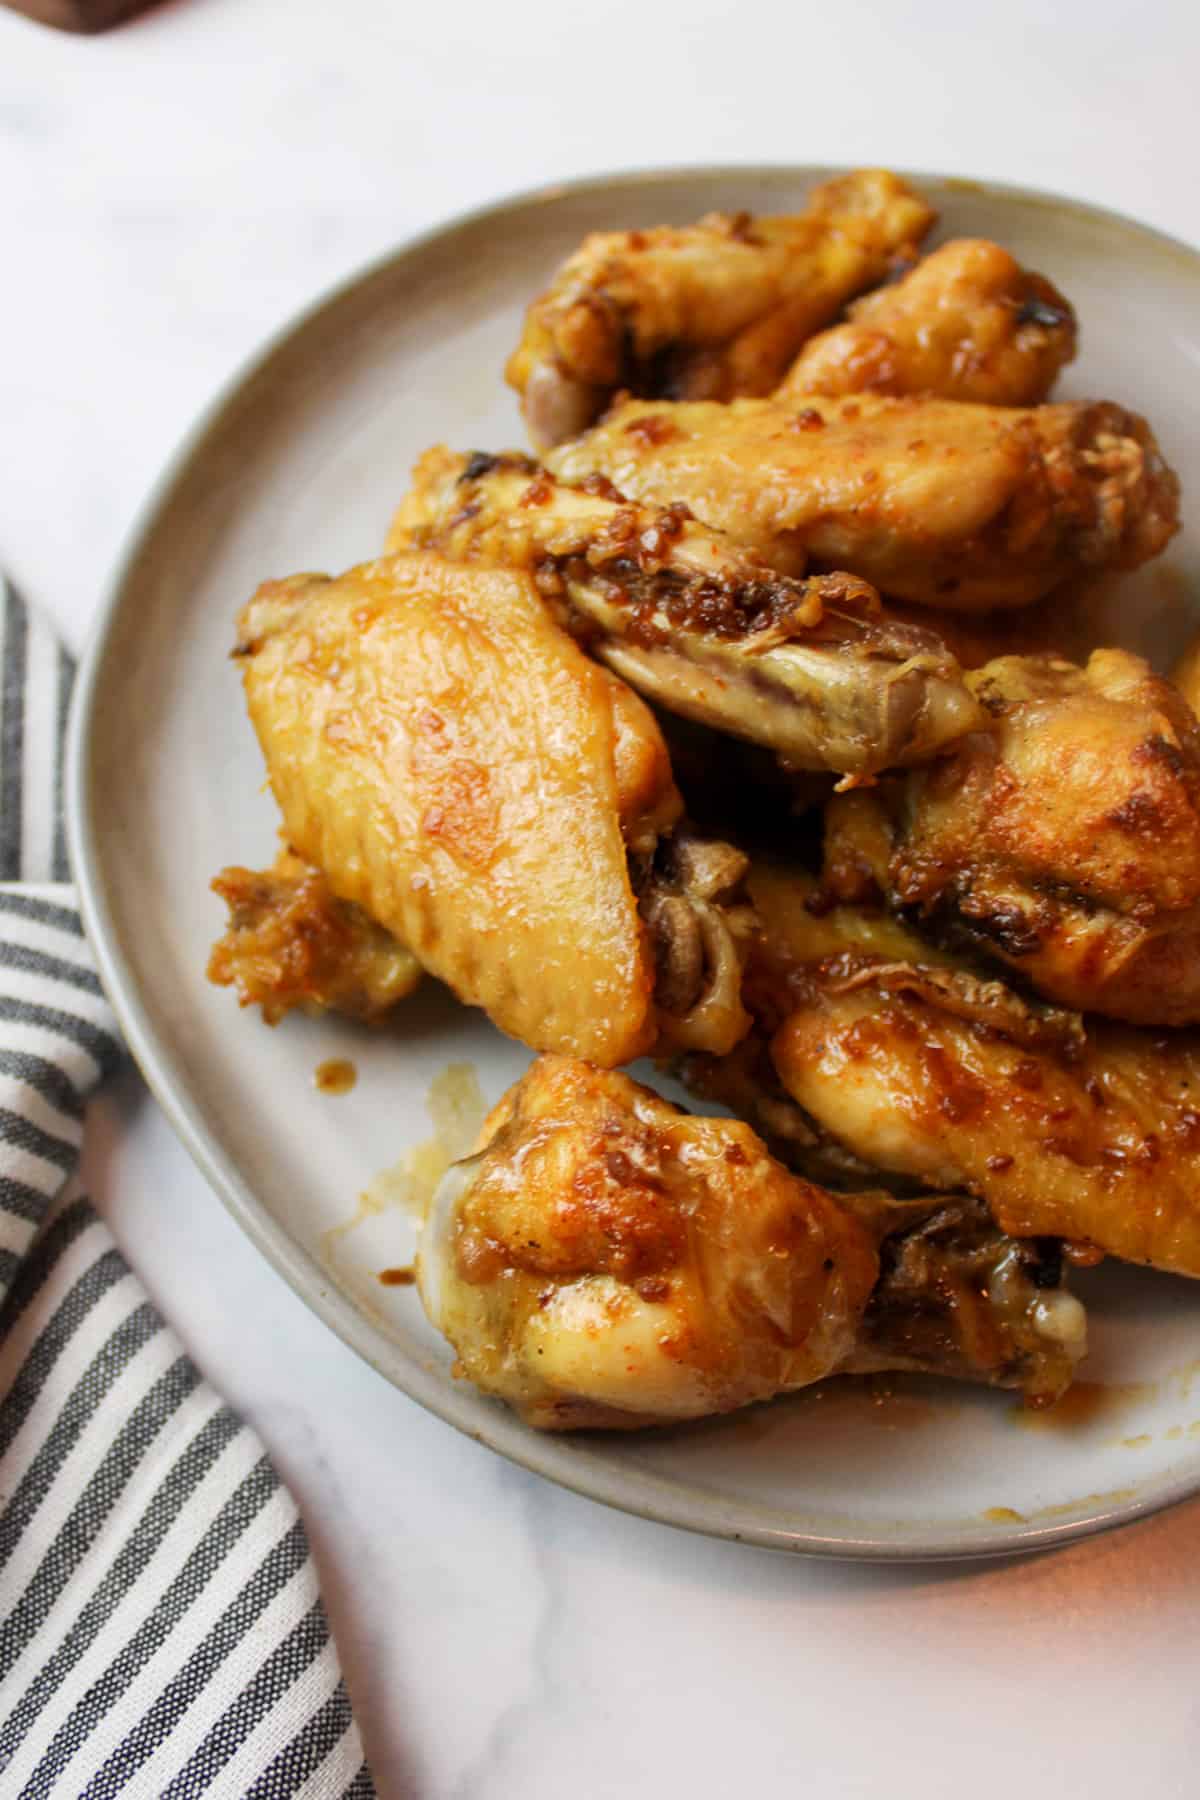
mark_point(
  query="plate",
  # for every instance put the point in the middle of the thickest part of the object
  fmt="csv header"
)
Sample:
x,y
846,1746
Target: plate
x,y
298,466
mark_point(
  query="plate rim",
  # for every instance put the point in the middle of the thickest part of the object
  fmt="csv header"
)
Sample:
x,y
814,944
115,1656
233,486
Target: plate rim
x,y
567,1461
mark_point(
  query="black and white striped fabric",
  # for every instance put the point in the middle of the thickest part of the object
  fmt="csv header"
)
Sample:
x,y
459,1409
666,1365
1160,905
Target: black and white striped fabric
x,y
161,1631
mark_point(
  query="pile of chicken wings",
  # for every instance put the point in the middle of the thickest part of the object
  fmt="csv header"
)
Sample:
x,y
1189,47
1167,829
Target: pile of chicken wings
x,y
727,730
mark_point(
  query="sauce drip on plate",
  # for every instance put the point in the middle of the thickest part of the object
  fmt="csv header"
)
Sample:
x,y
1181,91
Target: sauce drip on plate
x,y
336,1076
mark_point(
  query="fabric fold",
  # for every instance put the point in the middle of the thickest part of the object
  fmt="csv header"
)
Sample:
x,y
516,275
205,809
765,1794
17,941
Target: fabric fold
x,y
161,1627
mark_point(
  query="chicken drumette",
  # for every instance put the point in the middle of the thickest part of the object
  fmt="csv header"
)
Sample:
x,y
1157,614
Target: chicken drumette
x,y
934,501
454,766
708,311
608,1260
967,323
807,668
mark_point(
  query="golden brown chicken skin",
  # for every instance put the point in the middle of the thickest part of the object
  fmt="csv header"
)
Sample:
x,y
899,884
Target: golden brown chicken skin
x,y
1088,1132
878,1057
967,323
290,943
707,311
1186,675
455,766
963,508
807,668
608,1260
799,926
1064,841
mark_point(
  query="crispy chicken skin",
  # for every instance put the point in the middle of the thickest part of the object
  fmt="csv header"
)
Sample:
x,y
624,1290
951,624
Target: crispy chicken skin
x,y
291,943
967,323
879,1058
707,311
489,839
960,507
609,1261
807,668
516,834
1063,841
1086,1131
800,926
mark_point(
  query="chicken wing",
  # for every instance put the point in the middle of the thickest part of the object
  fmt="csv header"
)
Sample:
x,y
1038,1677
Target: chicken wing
x,y
967,323
879,1058
800,927
1085,1131
960,507
515,834
709,311
608,1260
1063,841
291,943
808,669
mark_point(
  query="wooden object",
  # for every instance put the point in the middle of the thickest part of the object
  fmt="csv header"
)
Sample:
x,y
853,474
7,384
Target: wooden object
x,y
79,15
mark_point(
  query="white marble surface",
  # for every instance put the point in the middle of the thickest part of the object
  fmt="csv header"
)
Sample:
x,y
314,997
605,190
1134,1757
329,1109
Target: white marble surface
x,y
171,193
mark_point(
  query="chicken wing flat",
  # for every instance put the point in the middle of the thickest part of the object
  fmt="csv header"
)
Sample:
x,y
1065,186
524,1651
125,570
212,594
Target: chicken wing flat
x,y
708,311
965,508
1064,841
1083,1131
457,768
967,323
878,1058
291,943
808,668
608,1260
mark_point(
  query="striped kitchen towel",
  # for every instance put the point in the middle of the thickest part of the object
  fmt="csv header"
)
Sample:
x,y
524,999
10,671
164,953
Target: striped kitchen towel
x,y
161,1631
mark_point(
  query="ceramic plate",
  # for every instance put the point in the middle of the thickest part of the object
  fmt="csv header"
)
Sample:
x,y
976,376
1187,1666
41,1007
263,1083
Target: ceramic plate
x,y
298,466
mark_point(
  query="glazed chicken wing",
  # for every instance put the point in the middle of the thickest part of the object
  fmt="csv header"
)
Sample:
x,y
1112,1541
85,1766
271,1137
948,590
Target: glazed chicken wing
x,y
1082,1131
954,506
709,311
876,1057
1063,841
457,768
291,943
807,668
967,323
608,1260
